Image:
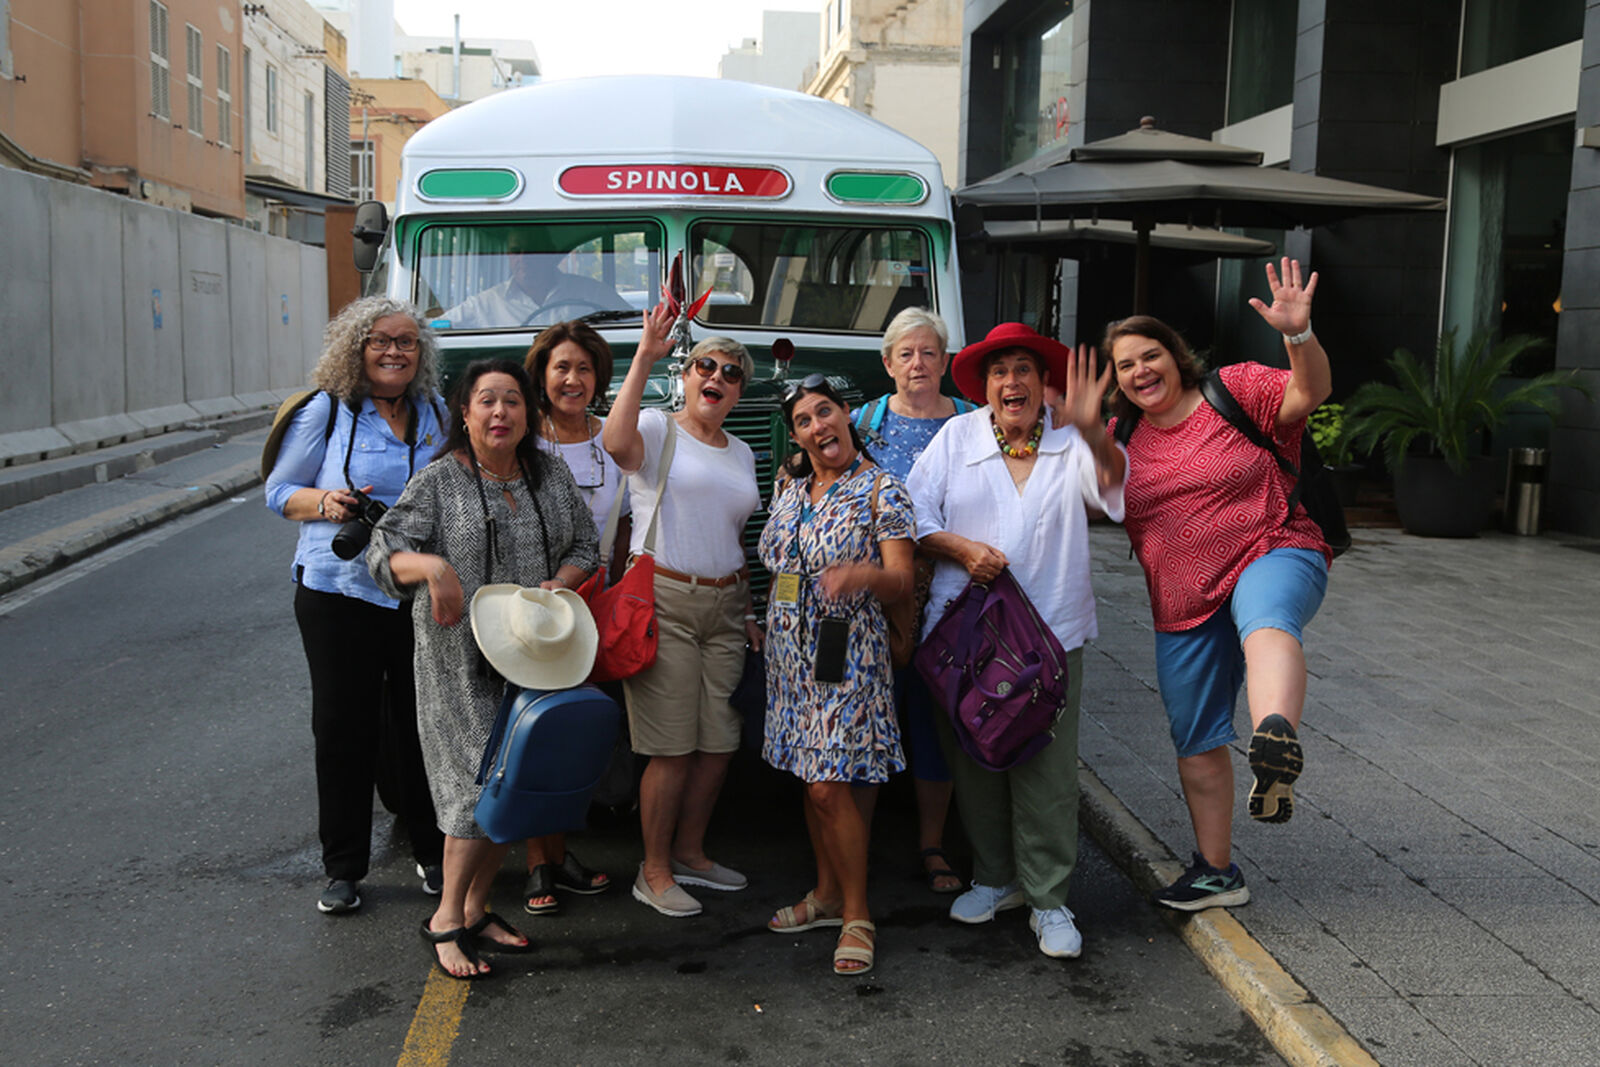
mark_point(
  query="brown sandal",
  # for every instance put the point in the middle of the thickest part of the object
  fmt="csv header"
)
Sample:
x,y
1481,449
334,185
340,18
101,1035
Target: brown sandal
x,y
861,930
788,920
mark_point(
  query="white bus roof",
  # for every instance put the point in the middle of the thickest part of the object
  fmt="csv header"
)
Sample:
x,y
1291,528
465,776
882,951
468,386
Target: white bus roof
x,y
542,130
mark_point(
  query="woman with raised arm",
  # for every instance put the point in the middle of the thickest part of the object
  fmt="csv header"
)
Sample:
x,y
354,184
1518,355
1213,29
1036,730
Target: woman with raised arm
x,y
692,521
1235,571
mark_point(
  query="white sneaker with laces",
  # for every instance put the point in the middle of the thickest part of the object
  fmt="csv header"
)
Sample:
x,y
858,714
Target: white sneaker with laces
x,y
1058,934
980,903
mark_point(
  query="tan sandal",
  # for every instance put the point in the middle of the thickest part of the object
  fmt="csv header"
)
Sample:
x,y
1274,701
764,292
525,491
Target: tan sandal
x,y
862,930
788,921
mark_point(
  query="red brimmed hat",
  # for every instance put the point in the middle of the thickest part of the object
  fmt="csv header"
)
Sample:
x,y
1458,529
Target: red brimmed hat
x,y
966,370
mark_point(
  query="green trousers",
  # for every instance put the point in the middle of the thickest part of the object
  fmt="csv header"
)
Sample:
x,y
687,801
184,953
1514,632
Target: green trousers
x,y
1023,823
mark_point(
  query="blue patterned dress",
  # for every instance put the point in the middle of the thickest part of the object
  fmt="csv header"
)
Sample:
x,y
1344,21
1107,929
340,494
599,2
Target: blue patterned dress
x,y
821,731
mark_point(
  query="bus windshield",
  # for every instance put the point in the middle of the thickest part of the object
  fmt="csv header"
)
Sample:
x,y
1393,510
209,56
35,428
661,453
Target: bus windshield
x,y
793,276
515,275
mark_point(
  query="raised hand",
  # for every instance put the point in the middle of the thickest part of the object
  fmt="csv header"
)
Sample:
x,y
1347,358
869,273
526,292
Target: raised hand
x,y
1079,401
656,339
1290,311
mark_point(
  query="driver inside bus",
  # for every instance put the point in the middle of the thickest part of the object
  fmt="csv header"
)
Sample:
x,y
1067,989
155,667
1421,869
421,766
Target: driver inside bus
x,y
536,293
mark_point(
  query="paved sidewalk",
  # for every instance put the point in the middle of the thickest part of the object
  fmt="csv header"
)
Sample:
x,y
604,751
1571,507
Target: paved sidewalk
x,y
1438,890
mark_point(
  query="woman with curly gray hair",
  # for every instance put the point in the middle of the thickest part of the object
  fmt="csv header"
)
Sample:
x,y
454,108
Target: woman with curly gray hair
x,y
374,420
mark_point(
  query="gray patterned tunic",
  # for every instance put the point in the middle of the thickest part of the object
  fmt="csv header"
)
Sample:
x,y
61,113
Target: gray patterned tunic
x,y
440,512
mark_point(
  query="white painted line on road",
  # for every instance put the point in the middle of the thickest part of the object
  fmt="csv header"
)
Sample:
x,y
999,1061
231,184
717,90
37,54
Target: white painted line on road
x,y
120,550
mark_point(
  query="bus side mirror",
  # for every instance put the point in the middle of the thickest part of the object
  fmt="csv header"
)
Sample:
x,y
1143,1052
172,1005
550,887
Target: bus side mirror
x,y
372,222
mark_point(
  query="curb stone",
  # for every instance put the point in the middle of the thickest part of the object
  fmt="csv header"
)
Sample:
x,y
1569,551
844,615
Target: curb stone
x,y
1302,1031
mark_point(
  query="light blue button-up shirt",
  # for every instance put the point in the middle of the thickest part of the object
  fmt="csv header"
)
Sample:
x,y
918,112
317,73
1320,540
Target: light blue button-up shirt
x,y
377,458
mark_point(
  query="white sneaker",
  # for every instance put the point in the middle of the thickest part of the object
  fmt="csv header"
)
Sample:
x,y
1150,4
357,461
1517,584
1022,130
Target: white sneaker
x,y
980,903
1058,934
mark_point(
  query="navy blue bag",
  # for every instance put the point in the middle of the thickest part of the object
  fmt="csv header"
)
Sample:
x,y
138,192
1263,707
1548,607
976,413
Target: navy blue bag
x,y
545,755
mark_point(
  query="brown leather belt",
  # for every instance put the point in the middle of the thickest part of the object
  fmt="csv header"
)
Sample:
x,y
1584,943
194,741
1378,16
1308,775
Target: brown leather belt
x,y
713,583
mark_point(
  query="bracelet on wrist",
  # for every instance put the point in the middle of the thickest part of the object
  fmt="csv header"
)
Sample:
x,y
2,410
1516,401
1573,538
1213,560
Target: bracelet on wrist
x,y
1299,338
322,505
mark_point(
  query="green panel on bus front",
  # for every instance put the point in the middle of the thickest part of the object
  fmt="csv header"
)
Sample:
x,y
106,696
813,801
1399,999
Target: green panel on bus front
x,y
468,184
877,188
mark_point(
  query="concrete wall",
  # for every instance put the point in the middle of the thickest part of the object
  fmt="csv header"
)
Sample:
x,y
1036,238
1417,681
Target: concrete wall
x,y
119,319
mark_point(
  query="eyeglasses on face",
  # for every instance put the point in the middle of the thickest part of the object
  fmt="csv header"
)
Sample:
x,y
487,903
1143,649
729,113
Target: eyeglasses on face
x,y
705,366
378,342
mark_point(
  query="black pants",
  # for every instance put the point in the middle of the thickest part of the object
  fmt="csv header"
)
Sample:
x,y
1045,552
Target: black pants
x,y
364,719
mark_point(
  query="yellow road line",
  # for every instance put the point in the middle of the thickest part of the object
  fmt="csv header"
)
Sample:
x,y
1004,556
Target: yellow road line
x,y
437,1022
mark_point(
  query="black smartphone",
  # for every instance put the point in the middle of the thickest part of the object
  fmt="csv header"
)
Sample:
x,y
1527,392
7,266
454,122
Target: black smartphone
x,y
833,640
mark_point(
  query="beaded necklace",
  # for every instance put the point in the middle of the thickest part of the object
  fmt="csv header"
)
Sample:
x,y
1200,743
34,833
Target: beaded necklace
x,y
1025,451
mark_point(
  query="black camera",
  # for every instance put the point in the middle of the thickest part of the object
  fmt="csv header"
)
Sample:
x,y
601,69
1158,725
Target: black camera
x,y
352,538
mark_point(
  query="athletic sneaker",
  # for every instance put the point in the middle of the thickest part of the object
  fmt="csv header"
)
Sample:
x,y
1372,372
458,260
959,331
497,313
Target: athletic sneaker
x,y
1276,759
980,903
1058,934
339,897
432,879
1204,886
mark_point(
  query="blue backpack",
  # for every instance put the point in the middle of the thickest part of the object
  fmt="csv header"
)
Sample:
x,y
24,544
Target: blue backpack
x,y
545,755
869,417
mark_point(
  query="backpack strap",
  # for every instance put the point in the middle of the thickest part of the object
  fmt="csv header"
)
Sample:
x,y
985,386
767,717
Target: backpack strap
x,y
1217,394
963,405
1126,425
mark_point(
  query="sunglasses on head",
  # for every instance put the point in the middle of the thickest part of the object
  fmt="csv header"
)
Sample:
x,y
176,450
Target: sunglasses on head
x,y
705,366
810,383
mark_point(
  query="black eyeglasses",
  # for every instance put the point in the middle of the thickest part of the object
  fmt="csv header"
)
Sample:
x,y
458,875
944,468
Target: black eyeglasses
x,y
810,383
732,373
378,343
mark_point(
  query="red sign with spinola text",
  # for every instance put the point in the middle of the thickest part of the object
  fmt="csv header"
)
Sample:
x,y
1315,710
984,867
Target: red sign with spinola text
x,y
673,179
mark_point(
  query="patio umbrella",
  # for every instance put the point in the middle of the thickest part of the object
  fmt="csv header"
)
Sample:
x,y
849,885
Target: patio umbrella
x,y
1071,236
1146,176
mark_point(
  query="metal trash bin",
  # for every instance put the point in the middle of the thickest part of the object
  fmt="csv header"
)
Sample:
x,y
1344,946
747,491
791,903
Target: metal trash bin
x,y
1526,469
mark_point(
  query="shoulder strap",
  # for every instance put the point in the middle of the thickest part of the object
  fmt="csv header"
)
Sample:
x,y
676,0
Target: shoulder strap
x,y
608,536
1126,425
282,420
963,405
1217,394
667,449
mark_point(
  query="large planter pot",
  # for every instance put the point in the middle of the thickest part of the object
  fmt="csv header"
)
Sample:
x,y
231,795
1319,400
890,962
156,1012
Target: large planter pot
x,y
1435,501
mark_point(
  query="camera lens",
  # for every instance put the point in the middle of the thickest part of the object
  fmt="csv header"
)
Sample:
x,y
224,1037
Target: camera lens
x,y
351,540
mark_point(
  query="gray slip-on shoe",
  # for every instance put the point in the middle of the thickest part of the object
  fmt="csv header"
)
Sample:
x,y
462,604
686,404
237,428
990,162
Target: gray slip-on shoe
x,y
715,876
673,903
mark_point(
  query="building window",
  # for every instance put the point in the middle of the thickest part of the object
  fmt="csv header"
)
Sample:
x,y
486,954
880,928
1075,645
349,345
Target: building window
x,y
335,133
1498,31
194,56
1037,61
224,96
1260,58
246,111
5,38
363,176
272,98
1508,226
160,67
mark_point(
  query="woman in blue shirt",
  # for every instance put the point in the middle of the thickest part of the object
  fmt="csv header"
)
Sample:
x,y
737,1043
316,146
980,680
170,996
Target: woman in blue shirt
x,y
374,421
897,427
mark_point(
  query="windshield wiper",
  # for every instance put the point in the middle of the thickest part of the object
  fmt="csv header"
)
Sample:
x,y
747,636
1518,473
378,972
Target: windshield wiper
x,y
611,315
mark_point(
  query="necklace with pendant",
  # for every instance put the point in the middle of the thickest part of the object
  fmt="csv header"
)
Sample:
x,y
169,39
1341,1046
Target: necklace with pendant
x,y
1022,451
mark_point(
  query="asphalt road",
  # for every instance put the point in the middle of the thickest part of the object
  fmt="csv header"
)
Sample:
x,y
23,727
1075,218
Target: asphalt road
x,y
158,850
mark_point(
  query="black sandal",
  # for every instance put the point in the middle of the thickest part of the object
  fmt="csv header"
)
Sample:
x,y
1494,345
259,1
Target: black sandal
x,y
541,883
937,873
574,877
489,944
464,941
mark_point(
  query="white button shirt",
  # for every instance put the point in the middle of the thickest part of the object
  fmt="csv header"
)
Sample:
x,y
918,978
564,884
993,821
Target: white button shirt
x,y
960,485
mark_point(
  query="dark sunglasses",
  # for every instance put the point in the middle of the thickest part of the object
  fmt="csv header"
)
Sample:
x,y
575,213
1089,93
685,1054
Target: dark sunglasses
x,y
810,384
732,373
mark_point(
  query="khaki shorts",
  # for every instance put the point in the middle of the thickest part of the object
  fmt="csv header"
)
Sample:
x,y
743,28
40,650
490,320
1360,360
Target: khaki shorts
x,y
680,704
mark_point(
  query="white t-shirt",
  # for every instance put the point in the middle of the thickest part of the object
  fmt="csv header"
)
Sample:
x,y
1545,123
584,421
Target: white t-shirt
x,y
711,493
960,485
597,474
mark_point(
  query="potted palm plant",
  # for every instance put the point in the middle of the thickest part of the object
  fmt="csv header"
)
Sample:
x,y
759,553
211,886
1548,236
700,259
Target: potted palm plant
x,y
1328,432
1434,423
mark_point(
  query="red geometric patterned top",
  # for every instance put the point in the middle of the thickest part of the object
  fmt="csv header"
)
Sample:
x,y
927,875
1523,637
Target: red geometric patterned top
x,y
1204,503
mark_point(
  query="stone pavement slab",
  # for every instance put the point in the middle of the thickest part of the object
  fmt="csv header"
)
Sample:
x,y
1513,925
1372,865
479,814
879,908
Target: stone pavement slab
x,y
1438,890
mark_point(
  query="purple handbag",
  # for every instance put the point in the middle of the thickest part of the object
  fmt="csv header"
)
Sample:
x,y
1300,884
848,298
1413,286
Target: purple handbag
x,y
999,672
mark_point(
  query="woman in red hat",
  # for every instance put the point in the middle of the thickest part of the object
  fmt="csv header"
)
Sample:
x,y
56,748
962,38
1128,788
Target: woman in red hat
x,y
1008,486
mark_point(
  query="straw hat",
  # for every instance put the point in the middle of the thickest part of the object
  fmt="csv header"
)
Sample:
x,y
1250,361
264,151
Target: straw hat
x,y
537,638
966,370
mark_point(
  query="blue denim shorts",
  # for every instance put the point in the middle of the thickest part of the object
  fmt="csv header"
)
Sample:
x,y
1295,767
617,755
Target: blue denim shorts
x,y
1200,669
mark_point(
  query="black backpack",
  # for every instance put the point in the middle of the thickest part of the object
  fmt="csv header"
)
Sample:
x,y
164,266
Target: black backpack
x,y
1314,488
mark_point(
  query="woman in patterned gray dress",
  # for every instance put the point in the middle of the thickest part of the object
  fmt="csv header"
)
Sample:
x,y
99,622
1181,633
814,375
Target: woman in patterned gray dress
x,y
491,508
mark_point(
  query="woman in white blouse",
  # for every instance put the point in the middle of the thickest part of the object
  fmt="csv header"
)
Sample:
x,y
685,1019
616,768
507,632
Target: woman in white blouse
x,y
1002,487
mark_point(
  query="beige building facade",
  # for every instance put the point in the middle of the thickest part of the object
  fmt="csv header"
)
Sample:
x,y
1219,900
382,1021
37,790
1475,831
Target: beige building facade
x,y
900,63
136,96
384,113
297,96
